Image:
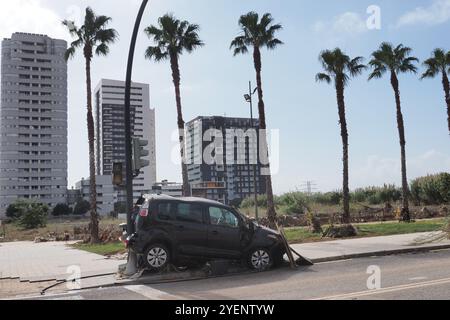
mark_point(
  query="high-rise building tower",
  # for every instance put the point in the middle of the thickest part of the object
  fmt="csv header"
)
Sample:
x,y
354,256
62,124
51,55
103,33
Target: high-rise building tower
x,y
110,130
33,120
231,176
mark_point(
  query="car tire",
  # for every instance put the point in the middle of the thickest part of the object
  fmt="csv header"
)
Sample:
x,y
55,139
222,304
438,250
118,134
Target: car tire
x,y
260,259
157,257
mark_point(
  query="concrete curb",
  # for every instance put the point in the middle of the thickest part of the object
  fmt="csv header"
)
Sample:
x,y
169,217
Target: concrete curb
x,y
382,253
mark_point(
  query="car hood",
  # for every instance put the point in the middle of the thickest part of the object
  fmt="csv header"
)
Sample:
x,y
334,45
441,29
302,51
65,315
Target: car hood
x,y
266,230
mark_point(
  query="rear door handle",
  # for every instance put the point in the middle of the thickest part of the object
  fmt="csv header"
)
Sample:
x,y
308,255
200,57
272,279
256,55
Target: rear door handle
x,y
215,232
181,228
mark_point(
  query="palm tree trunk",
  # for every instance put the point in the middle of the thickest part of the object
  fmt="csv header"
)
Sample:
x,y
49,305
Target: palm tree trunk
x,y
176,81
401,129
346,219
93,226
271,212
446,84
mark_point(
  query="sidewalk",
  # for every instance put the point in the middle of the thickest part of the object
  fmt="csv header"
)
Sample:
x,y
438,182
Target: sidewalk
x,y
28,261
367,247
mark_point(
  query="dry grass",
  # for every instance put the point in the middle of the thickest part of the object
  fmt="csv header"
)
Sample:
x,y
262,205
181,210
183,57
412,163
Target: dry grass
x,y
59,226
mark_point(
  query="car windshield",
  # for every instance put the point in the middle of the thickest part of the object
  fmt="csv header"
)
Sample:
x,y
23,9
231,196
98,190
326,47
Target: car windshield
x,y
247,220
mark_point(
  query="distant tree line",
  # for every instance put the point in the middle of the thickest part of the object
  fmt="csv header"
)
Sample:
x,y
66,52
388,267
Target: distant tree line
x,y
429,190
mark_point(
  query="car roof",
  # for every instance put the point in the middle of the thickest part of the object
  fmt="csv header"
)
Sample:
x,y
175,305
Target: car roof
x,y
185,199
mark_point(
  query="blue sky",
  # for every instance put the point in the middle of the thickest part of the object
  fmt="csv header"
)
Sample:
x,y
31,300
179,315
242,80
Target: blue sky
x,y
304,111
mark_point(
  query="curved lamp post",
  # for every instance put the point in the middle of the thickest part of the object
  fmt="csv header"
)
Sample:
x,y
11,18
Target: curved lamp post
x,y
249,98
132,259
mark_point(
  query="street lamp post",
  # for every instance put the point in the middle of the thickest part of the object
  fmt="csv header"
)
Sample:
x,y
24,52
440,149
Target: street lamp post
x,y
249,98
132,259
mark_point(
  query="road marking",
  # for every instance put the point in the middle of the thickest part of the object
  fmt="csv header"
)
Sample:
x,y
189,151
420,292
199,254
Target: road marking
x,y
334,261
152,294
78,297
387,290
418,279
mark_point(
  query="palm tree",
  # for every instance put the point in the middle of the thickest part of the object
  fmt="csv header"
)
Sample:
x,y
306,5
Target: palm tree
x,y
339,68
440,63
172,37
94,38
256,34
395,61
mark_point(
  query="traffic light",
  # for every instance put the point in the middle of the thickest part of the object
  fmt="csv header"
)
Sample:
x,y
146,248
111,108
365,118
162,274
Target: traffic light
x,y
118,174
139,153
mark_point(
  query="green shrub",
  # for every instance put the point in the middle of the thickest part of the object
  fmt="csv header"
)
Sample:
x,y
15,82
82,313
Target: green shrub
x,y
15,209
35,216
328,199
61,209
295,202
82,207
431,190
28,214
376,195
262,202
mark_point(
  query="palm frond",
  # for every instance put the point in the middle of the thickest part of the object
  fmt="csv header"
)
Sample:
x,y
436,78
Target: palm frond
x,y
70,53
102,50
101,22
106,36
156,53
71,26
339,66
172,37
240,50
154,32
256,32
272,44
439,62
322,77
396,60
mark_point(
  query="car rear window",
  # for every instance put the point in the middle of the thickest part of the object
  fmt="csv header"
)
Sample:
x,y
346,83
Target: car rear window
x,y
188,212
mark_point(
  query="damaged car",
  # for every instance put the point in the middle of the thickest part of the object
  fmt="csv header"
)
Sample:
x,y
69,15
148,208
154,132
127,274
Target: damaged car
x,y
181,230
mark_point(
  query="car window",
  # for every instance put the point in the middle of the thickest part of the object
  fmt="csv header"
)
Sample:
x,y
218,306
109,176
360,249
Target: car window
x,y
189,213
223,217
165,211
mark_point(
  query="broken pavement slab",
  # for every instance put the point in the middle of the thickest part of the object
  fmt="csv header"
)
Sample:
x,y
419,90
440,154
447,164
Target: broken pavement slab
x,y
35,262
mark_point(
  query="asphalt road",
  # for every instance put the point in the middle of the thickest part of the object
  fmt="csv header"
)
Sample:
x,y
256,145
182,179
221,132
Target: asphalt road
x,y
412,276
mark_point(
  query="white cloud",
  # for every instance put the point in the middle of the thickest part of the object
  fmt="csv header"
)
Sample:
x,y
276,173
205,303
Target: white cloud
x,y
29,16
437,13
348,23
379,170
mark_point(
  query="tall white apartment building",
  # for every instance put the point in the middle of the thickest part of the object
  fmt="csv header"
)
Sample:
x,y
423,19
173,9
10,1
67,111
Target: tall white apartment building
x,y
33,120
109,104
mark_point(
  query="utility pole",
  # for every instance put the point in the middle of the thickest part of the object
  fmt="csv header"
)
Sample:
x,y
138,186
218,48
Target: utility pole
x,y
132,258
249,99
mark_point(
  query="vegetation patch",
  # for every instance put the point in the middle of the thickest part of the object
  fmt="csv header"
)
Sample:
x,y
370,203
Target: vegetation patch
x,y
303,235
106,249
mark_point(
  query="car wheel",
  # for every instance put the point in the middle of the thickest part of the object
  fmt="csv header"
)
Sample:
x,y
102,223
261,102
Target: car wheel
x,y
260,259
157,257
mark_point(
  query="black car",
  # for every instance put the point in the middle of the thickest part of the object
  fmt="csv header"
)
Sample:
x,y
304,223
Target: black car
x,y
174,230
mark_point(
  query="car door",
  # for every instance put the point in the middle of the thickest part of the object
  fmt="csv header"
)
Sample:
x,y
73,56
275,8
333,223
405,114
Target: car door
x,y
190,229
224,233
